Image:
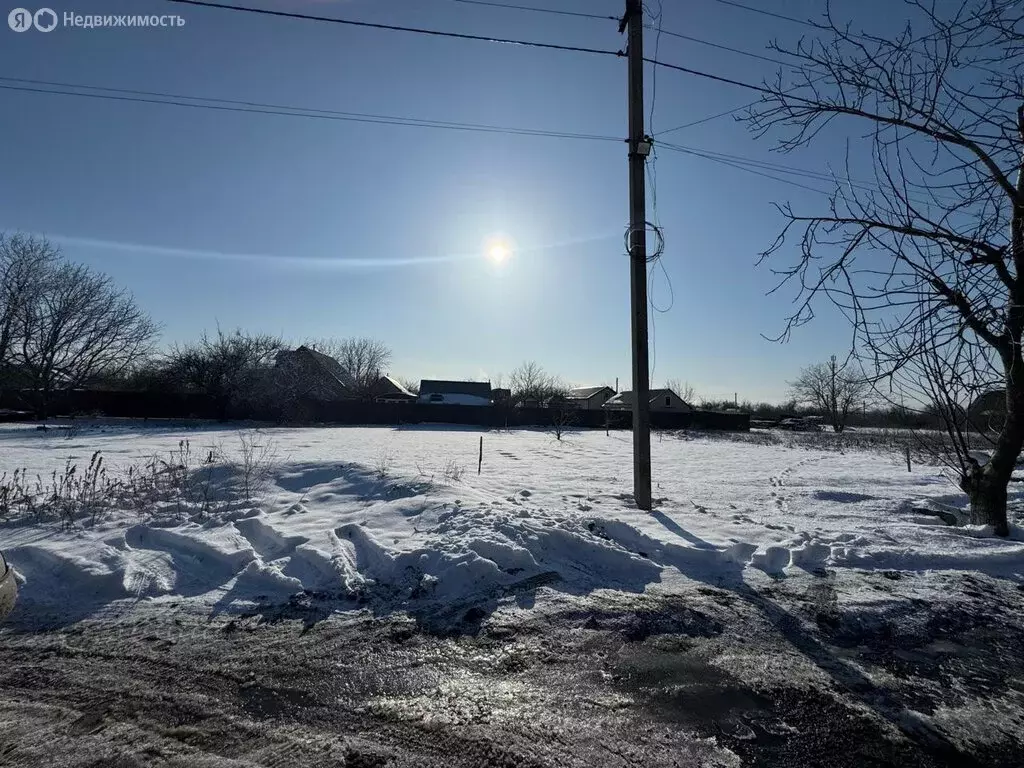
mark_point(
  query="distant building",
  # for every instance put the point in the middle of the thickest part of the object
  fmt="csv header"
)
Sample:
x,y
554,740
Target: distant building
x,y
455,392
304,372
589,398
988,411
662,400
389,390
501,396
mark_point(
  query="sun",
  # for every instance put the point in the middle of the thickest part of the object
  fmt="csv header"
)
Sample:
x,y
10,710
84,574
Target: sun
x,y
498,249
498,252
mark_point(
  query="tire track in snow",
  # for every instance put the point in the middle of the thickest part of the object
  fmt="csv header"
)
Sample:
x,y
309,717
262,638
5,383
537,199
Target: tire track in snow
x,y
268,542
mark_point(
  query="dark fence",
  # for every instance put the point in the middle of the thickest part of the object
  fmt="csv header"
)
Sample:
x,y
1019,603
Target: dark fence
x,y
154,405
121,404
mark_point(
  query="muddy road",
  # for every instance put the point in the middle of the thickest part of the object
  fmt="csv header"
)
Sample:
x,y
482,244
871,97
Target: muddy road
x,y
777,674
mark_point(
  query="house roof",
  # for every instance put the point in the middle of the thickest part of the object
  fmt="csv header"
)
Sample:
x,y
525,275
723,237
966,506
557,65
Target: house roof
x,y
626,397
393,386
326,363
585,393
474,388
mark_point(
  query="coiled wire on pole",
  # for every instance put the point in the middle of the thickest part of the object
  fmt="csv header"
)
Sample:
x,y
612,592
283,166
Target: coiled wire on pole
x,y
659,239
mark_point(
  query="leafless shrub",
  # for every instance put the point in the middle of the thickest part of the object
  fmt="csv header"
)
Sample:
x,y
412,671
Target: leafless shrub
x,y
425,473
453,471
383,463
68,497
233,369
257,461
563,417
184,484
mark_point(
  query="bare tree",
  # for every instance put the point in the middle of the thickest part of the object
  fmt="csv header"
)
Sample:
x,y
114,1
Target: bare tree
x,y
232,368
530,382
937,238
563,417
831,388
944,378
413,385
25,263
362,359
682,388
77,326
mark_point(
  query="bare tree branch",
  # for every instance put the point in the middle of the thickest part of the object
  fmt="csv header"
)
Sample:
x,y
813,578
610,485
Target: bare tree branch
x,y
935,250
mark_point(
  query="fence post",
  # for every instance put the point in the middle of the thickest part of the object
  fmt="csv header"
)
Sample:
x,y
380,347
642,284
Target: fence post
x,y
480,461
908,458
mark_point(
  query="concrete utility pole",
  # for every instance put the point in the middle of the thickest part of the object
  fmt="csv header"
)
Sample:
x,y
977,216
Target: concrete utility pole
x,y
639,147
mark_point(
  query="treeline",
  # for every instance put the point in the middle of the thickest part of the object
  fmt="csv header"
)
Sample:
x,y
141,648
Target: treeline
x,y
864,416
65,326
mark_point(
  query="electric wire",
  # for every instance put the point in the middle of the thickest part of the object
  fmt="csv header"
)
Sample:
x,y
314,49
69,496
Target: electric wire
x,y
534,8
255,107
773,14
400,28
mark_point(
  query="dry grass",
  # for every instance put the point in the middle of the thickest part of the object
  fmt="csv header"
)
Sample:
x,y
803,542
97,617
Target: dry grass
x,y
184,484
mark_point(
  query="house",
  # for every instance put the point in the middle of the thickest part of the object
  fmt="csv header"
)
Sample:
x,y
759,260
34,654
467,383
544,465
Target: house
x,y
389,390
662,400
304,372
589,398
455,392
988,411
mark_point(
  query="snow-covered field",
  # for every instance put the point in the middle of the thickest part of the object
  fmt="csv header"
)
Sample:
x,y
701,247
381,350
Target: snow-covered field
x,y
398,518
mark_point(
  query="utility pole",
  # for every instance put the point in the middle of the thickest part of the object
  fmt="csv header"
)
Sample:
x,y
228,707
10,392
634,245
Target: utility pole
x,y
639,147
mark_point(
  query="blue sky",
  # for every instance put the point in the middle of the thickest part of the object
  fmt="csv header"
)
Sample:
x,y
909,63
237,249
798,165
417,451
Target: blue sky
x,y
311,228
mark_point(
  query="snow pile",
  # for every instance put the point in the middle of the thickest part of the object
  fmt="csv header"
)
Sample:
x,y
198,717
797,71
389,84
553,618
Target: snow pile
x,y
391,526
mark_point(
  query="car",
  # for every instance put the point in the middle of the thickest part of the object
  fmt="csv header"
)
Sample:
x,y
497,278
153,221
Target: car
x,y
800,424
8,588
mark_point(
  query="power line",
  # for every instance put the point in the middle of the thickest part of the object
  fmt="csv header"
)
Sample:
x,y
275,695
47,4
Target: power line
x,y
766,169
763,12
744,167
486,38
699,73
707,119
539,10
397,28
780,167
721,47
652,178
233,105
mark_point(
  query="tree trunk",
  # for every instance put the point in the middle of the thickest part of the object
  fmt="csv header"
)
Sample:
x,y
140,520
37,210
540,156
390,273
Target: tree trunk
x,y
986,490
986,486
42,399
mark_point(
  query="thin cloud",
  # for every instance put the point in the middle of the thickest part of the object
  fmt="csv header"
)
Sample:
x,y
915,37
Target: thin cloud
x,y
256,258
307,262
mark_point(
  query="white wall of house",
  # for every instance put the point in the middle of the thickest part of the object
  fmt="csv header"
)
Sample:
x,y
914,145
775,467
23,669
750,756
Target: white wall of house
x,y
455,398
598,400
670,402
594,403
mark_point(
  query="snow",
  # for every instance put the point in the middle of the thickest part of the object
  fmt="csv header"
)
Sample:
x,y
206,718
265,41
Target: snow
x,y
391,518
